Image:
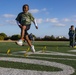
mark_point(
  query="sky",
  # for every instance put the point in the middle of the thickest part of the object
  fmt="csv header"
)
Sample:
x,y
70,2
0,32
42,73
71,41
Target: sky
x,y
54,17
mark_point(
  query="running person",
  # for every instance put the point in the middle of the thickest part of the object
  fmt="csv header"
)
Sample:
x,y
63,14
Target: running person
x,y
24,20
72,36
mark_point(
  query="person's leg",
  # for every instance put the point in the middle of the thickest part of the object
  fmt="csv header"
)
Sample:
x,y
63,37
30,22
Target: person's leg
x,y
23,32
20,42
29,41
70,42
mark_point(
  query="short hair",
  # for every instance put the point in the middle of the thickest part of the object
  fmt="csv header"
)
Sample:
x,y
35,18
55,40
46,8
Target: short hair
x,y
72,26
24,6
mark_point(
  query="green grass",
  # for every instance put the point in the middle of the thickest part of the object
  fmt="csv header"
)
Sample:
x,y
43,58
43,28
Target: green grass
x,y
59,46
26,66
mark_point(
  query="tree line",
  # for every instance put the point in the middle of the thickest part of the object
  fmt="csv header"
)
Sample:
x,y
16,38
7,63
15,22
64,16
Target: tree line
x,y
3,36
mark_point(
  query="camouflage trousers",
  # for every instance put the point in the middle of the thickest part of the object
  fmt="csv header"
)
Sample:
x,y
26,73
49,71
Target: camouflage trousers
x,y
72,41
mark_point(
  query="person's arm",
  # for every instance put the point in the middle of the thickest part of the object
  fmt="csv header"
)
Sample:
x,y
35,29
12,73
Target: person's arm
x,y
18,24
18,19
35,23
33,20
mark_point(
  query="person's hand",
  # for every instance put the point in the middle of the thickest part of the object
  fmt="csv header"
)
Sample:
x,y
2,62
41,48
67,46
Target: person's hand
x,y
36,27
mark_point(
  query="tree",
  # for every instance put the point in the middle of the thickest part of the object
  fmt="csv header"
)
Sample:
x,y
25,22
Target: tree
x,y
46,38
2,36
52,37
15,37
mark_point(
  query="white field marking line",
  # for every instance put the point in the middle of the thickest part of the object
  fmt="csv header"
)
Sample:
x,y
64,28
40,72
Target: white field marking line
x,y
72,51
67,70
13,55
49,53
50,58
23,52
16,53
42,57
56,53
40,53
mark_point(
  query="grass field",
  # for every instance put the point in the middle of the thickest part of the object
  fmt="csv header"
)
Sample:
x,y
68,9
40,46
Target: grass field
x,y
47,52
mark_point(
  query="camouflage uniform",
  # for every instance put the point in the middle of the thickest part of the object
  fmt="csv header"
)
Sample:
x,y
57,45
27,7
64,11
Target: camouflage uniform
x,y
72,37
